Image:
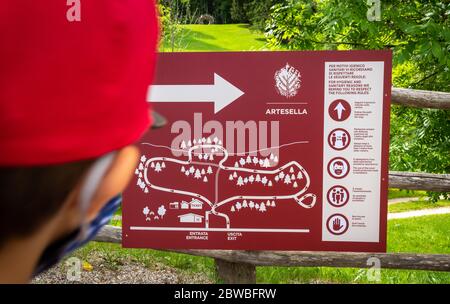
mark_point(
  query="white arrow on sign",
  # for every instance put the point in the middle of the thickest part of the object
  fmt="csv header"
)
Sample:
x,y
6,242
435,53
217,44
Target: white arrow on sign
x,y
339,108
222,93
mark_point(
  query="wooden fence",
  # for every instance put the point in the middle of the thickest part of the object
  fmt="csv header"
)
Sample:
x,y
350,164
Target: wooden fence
x,y
239,266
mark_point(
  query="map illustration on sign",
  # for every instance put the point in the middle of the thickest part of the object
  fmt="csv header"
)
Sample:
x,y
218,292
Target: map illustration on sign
x,y
207,164
257,156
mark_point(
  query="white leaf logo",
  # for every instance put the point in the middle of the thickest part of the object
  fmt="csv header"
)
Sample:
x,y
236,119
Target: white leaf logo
x,y
288,81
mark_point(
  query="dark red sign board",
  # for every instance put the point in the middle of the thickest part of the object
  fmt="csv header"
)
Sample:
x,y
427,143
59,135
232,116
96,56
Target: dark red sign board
x,y
265,151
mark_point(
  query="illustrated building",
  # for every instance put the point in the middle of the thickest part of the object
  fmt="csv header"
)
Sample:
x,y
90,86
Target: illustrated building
x,y
190,218
184,205
196,204
174,205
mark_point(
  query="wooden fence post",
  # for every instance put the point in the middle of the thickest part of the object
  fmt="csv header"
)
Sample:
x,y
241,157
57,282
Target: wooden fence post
x,y
235,273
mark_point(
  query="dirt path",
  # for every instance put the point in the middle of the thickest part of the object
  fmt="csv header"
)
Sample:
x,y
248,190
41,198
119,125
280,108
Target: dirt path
x,y
404,200
102,271
423,212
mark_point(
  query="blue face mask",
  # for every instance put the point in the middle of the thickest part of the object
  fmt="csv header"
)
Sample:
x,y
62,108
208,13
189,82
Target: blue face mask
x,y
56,251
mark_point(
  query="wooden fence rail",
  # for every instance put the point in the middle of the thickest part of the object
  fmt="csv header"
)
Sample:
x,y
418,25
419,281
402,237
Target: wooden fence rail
x,y
419,181
238,266
421,99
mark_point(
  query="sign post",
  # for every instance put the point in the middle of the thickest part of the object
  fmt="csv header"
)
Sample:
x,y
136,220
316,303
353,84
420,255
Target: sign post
x,y
265,151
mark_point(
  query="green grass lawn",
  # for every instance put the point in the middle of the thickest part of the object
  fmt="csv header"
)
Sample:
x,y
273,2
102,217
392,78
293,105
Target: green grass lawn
x,y
226,37
417,205
399,193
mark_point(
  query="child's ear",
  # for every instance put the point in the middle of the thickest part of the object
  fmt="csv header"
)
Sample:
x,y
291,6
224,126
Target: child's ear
x,y
115,180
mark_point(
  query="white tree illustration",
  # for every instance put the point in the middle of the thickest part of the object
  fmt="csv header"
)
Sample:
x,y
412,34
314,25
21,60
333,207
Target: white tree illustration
x,y
266,163
232,209
244,204
183,169
240,181
264,180
158,167
251,204
262,208
238,206
295,185
205,179
230,177
183,145
287,180
162,211
251,179
197,174
209,170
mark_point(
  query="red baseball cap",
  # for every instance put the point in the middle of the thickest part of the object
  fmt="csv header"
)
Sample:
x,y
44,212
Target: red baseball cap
x,y
73,90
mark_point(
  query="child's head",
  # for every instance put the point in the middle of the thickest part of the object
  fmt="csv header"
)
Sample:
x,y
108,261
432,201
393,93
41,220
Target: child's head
x,y
72,103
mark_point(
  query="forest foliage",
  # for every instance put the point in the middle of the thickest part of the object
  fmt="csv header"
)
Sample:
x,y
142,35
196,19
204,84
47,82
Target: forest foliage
x,y
417,31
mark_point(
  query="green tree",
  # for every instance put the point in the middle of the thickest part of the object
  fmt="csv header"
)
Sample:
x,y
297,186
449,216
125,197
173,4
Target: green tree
x,y
237,11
